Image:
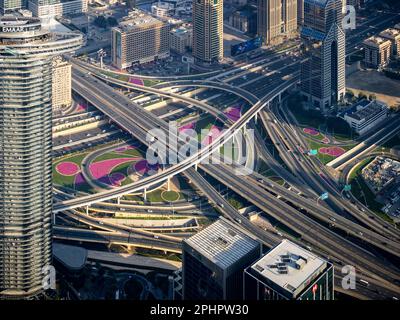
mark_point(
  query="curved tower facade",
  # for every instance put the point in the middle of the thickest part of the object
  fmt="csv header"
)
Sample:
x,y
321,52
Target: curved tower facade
x,y
26,53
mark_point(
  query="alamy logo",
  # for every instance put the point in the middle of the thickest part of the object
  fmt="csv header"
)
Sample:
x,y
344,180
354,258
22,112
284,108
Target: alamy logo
x,y
49,277
349,19
349,277
180,145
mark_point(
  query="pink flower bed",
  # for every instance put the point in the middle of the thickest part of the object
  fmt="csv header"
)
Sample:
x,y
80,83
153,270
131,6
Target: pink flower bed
x,y
311,131
67,168
79,179
122,149
326,140
213,134
332,151
233,113
81,107
189,126
101,169
136,81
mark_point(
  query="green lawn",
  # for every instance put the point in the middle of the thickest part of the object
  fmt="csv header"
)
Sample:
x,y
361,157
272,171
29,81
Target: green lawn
x,y
278,180
118,155
159,196
170,196
150,83
235,203
264,169
361,191
358,168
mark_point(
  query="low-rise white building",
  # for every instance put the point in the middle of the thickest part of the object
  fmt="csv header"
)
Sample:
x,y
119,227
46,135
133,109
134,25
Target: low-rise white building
x,y
163,9
365,115
57,8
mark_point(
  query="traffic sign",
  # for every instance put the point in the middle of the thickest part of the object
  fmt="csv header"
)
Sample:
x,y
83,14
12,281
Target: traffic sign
x,y
347,187
313,152
324,196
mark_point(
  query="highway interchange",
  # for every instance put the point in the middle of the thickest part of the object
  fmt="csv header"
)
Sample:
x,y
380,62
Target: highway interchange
x,y
317,228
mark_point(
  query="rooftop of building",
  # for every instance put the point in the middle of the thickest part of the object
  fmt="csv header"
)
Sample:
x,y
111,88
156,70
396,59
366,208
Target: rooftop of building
x,y
365,109
163,5
181,30
223,243
137,19
390,33
375,41
289,266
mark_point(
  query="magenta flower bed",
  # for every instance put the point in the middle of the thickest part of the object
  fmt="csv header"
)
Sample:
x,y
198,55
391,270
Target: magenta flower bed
x,y
101,169
79,179
189,126
326,140
116,178
332,151
141,167
136,81
67,168
122,149
311,131
81,107
213,134
233,113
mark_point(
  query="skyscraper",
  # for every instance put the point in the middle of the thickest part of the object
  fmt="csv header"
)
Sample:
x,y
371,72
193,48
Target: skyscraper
x,y
276,20
26,52
214,260
323,72
289,272
300,12
208,30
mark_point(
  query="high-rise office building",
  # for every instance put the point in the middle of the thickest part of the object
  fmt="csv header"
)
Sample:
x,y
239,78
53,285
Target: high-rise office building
x,y
26,53
300,12
208,30
323,43
276,20
139,38
61,84
214,260
289,272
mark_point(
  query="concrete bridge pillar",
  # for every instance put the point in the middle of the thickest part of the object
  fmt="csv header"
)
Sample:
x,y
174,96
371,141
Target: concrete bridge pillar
x,y
87,210
54,218
119,200
195,166
145,194
280,97
169,184
256,117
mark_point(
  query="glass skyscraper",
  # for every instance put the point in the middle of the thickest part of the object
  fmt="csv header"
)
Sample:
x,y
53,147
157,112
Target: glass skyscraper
x,y
26,53
208,24
324,44
214,260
